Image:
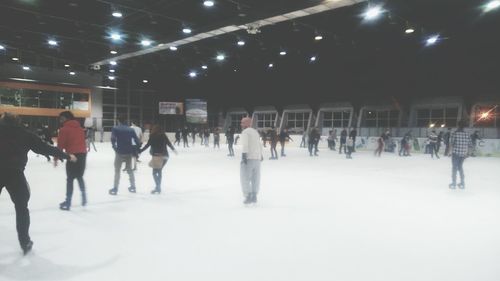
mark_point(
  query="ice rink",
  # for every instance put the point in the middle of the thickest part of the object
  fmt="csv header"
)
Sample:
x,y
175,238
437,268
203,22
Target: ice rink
x,y
318,218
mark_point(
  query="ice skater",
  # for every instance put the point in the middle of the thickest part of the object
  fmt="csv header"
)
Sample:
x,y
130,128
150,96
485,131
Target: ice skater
x,y
475,138
353,134
122,139
158,141
461,145
284,137
251,158
15,143
350,147
178,137
273,142
380,145
230,141
314,137
263,135
303,142
217,138
433,139
90,138
343,140
185,135
71,139
206,137
446,140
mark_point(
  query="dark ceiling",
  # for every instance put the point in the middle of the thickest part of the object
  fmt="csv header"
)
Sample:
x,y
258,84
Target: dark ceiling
x,y
354,57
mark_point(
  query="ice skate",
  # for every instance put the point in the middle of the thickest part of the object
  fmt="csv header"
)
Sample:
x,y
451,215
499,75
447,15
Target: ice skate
x,y
156,191
113,191
452,186
65,206
27,247
132,189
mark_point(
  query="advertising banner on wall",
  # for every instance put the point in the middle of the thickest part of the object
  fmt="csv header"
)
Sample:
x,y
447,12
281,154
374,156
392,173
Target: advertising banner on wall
x,y
171,108
196,111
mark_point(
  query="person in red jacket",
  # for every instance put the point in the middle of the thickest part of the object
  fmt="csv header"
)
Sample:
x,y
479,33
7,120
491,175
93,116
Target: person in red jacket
x,y
71,139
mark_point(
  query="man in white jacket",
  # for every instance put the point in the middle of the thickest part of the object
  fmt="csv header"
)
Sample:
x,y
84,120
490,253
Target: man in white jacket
x,y
250,161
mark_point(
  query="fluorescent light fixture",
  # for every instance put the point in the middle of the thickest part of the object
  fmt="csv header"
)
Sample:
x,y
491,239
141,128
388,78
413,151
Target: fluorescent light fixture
x,y
173,48
241,43
373,13
116,36
282,53
112,70
15,59
431,40
409,30
208,3
66,65
193,74
113,52
221,57
204,67
113,62
187,30
492,5
26,68
271,65
145,81
318,37
52,42
146,43
72,73
2,47
117,14
313,58
111,77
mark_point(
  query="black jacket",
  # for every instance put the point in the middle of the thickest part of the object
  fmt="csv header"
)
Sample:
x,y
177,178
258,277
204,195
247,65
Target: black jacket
x,y
158,144
16,142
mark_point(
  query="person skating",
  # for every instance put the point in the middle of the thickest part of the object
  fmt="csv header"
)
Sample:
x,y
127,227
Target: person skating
x,y
139,134
343,140
71,139
273,142
314,137
122,139
330,140
263,135
217,138
303,142
380,145
475,138
206,137
439,140
230,141
178,137
193,135
446,140
284,137
461,145
432,139
185,135
353,134
15,143
350,147
90,138
158,141
251,158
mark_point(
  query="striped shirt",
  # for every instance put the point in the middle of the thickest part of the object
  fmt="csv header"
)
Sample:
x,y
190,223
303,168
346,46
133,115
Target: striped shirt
x,y
461,143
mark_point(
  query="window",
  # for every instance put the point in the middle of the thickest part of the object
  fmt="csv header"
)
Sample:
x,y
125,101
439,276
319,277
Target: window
x,y
236,121
336,119
437,117
297,120
265,120
380,118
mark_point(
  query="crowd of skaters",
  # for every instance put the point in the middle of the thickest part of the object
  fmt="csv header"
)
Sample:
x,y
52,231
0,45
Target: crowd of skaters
x,y
74,142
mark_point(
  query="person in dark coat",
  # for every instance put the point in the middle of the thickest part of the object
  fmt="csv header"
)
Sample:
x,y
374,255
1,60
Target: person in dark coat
x,y
343,140
446,140
230,140
217,138
353,135
15,143
314,137
158,141
178,137
185,135
273,140
284,137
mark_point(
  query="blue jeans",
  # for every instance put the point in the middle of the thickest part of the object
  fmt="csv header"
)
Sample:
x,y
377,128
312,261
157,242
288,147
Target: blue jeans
x,y
457,163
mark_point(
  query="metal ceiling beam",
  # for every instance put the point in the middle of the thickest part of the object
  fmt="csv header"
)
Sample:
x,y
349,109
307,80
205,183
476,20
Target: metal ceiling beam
x,y
327,5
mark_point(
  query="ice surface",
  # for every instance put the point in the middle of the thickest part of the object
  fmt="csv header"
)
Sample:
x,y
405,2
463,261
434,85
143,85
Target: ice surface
x,y
318,218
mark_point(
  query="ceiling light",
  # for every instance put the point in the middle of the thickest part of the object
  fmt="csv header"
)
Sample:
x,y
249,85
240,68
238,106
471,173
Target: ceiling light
x,y
116,36
15,59
66,65
204,67
2,47
221,57
432,40
117,14
282,53
492,5
112,70
208,3
187,30
52,42
173,48
26,68
111,77
373,13
146,43
409,30
312,59
241,43
113,62
145,81
193,74
113,52
271,65
318,37
72,73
